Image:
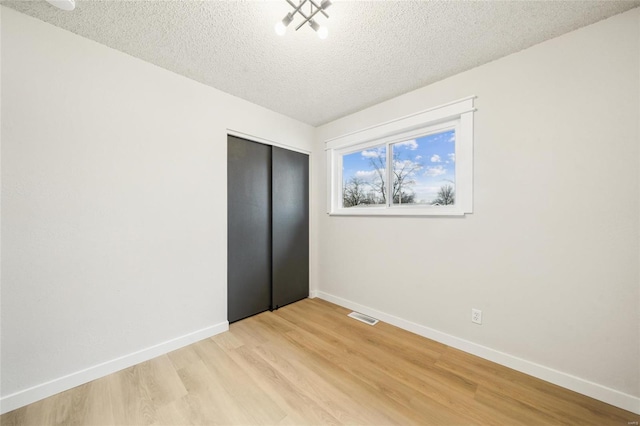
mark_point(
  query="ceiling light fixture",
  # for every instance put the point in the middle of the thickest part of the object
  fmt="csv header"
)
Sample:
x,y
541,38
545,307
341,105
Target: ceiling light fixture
x,y
67,5
314,8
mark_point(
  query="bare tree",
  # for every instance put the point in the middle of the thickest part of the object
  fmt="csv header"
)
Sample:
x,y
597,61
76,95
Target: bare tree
x,y
353,192
405,198
403,172
378,184
446,196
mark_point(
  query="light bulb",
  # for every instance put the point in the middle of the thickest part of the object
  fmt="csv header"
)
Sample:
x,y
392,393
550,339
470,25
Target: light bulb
x,y
280,28
323,32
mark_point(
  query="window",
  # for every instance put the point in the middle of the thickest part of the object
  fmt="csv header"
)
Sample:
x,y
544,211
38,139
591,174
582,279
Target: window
x,y
417,165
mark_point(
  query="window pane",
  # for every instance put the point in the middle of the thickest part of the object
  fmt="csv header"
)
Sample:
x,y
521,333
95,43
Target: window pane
x,y
363,178
424,170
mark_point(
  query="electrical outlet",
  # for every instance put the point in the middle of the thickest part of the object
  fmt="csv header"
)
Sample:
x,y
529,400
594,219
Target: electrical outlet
x,y
476,316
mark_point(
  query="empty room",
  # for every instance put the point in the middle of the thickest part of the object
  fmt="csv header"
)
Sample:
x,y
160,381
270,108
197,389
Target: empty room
x,y
296,212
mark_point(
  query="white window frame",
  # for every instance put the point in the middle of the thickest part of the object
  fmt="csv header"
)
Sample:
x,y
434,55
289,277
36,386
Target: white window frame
x,y
456,115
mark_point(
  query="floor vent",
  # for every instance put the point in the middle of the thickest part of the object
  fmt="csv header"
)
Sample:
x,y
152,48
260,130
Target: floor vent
x,y
365,319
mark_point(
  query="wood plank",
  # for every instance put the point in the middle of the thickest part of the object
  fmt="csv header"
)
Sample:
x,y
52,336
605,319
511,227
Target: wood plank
x,y
239,383
287,395
308,363
381,379
561,404
360,396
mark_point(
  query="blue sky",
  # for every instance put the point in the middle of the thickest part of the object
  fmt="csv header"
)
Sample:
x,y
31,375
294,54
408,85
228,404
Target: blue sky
x,y
431,157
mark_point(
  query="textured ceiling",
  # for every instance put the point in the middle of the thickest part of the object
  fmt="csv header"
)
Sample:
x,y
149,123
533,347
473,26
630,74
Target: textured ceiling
x,y
376,50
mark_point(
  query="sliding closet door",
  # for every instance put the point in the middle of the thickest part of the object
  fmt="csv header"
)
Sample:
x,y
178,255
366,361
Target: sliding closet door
x,y
290,236
249,228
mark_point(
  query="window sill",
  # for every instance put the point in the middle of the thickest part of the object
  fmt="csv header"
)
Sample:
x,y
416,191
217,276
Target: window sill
x,y
399,211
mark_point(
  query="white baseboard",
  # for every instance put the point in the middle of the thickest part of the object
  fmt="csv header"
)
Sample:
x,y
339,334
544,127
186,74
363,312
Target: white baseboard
x,y
313,294
44,390
576,384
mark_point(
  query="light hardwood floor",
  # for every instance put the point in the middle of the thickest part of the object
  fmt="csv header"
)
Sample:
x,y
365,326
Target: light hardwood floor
x,y
308,363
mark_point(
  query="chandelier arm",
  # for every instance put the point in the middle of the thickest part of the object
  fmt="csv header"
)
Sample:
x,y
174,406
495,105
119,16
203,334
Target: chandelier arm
x,y
281,27
307,19
319,8
296,8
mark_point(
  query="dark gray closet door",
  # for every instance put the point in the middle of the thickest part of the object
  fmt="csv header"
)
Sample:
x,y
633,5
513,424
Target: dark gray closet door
x,y
249,228
290,234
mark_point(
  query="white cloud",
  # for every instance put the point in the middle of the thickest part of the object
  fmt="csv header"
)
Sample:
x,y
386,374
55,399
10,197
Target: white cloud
x,y
452,156
435,158
373,153
366,174
408,166
412,144
418,157
452,138
435,171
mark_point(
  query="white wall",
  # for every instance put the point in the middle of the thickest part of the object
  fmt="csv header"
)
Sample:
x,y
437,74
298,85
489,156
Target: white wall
x,y
550,253
113,207
114,212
